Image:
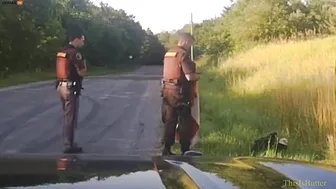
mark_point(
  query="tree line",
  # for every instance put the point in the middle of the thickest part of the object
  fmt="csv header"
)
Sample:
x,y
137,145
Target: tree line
x,y
246,23
30,35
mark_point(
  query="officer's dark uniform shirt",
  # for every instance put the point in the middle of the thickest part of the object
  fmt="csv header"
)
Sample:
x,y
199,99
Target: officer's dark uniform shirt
x,y
188,67
75,61
179,56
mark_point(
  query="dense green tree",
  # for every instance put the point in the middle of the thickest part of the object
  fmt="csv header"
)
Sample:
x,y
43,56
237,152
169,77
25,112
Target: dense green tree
x,y
31,34
246,23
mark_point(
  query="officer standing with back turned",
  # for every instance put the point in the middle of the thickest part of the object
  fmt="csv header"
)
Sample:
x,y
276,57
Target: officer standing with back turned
x,y
70,70
178,73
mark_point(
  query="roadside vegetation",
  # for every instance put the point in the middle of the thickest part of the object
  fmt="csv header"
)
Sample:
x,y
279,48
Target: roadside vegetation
x,y
268,66
276,87
32,33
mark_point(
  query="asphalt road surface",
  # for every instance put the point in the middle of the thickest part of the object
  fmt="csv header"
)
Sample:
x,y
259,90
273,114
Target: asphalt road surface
x,y
118,115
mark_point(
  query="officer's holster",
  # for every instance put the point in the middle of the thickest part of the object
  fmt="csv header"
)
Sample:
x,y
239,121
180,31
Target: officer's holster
x,y
185,106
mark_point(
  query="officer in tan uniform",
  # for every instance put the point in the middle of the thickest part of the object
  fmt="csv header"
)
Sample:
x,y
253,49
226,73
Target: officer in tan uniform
x,y
70,69
178,73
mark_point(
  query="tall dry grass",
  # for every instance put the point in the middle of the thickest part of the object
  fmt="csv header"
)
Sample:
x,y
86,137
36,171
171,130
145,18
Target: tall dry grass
x,y
299,79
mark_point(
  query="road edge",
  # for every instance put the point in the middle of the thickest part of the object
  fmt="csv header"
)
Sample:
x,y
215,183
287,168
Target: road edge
x,y
50,82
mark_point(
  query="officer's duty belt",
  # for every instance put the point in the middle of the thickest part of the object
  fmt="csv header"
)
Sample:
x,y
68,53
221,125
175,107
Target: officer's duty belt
x,y
65,82
171,81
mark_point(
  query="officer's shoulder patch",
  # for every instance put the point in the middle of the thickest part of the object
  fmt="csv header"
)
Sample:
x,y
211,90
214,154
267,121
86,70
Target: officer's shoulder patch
x,y
78,56
171,54
61,54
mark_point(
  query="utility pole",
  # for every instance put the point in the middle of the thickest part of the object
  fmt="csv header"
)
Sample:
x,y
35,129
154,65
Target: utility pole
x,y
191,32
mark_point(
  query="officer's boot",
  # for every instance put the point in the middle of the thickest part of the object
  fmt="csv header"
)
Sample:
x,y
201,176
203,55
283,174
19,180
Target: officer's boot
x,y
184,151
77,149
184,148
72,149
167,152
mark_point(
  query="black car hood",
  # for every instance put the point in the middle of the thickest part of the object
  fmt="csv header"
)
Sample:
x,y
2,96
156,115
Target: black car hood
x,y
132,172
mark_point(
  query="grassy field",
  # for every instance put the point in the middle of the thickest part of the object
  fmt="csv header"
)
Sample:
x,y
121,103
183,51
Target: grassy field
x,y
30,77
283,87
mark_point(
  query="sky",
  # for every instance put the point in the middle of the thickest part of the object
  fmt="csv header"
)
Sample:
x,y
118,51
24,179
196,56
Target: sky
x,y
170,14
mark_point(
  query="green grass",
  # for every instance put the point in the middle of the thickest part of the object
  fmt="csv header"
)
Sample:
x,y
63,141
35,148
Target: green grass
x,y
283,87
30,77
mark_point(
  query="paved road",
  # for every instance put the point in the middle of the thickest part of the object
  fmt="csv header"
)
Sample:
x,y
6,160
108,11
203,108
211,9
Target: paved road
x,y
118,116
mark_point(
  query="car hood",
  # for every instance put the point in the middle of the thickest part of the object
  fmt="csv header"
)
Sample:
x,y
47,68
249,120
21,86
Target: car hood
x,y
133,172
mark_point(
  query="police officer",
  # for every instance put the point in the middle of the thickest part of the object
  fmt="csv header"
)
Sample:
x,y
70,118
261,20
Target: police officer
x,y
70,69
178,73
